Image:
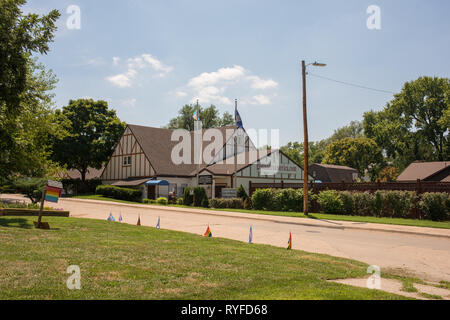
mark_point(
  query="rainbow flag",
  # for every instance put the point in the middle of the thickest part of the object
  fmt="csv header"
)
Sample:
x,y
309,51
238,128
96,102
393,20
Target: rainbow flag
x,y
120,218
139,220
111,218
208,233
250,236
52,194
158,225
195,115
290,242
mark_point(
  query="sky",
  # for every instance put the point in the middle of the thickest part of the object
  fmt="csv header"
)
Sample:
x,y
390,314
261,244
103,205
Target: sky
x,y
149,58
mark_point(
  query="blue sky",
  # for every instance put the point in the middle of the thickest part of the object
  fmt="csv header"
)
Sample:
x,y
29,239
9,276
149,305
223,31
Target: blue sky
x,y
149,58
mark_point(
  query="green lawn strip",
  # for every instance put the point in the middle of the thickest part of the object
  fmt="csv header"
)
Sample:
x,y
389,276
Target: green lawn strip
x,y
323,216
444,284
430,296
120,261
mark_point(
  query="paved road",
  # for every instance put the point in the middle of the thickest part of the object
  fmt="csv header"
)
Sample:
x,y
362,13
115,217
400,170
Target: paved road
x,y
428,257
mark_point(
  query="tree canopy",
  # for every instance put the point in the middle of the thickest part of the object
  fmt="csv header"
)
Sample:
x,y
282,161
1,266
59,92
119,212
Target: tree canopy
x,y
25,98
210,118
92,131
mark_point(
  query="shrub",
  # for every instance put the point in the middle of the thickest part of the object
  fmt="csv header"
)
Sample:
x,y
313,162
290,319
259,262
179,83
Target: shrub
x,y
76,186
398,204
289,200
348,202
188,199
263,199
162,201
241,193
199,196
234,203
114,192
180,201
31,187
435,206
248,204
362,203
205,202
330,201
377,203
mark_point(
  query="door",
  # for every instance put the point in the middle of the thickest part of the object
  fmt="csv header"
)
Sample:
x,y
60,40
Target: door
x,y
151,193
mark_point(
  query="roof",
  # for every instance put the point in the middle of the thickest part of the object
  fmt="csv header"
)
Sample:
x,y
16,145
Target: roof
x,y
157,145
130,182
91,173
227,167
423,170
333,173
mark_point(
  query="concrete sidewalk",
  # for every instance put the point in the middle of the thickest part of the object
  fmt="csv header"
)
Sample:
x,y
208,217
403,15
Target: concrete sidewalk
x,y
319,223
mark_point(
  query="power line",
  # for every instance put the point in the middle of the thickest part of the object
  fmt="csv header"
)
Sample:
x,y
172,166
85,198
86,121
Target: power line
x,y
351,84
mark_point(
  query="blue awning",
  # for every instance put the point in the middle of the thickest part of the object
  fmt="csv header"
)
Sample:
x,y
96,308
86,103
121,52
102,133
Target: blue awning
x,y
157,183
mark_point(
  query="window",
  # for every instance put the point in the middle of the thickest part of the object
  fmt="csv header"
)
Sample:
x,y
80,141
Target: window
x,y
127,161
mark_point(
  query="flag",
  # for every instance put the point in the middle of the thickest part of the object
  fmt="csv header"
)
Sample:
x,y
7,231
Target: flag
x,y
139,220
120,218
237,118
290,242
52,194
158,225
208,233
111,217
250,237
195,115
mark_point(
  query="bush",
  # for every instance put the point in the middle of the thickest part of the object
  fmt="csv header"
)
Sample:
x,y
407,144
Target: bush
x,y
205,202
118,193
330,201
76,186
377,203
362,203
234,203
188,199
31,187
348,202
162,201
398,204
263,199
435,206
241,193
248,204
180,201
199,196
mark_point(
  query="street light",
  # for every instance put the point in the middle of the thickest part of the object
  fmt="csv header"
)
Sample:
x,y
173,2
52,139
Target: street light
x,y
305,136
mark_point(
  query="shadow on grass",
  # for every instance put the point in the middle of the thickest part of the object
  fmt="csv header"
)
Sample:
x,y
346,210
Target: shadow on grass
x,y
15,223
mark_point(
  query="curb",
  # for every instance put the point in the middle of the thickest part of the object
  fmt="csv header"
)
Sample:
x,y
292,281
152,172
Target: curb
x,y
273,219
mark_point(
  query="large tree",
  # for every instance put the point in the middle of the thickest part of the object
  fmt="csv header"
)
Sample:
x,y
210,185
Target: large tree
x,y
209,117
24,86
414,125
92,131
362,154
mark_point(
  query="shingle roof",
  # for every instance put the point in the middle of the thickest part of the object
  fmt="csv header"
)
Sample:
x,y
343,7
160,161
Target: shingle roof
x,y
157,146
333,173
243,160
422,170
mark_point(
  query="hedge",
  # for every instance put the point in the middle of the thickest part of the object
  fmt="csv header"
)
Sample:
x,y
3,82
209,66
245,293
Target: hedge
x,y
234,203
76,186
119,193
279,199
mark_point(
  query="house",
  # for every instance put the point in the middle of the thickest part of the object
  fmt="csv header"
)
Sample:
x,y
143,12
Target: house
x,y
426,171
74,174
149,158
333,173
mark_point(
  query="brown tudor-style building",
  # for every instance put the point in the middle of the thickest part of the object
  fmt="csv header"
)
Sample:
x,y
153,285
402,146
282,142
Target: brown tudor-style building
x,y
143,159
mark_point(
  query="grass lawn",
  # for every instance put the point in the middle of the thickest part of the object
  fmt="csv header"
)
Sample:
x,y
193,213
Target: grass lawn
x,y
120,261
395,221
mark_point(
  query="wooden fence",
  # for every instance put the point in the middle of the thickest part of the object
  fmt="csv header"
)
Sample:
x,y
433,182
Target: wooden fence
x,y
418,186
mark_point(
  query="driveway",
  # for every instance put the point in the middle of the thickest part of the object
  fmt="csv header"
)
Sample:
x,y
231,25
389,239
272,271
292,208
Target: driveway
x,y
422,255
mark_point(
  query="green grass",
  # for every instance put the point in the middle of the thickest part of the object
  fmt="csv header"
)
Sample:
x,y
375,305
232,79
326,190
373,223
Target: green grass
x,y
323,216
120,261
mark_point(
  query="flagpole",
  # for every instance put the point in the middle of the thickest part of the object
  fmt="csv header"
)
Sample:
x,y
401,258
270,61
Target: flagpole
x,y
235,146
198,165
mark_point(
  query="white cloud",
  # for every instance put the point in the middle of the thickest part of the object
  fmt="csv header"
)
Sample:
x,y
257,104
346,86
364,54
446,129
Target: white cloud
x,y
128,103
141,62
214,87
258,83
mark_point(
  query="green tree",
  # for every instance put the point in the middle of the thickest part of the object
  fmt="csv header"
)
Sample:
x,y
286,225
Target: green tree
x,y
92,131
414,125
24,85
362,154
210,118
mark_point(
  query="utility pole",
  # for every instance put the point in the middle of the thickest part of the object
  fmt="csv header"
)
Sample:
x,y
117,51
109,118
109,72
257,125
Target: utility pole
x,y
305,143
235,146
305,136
